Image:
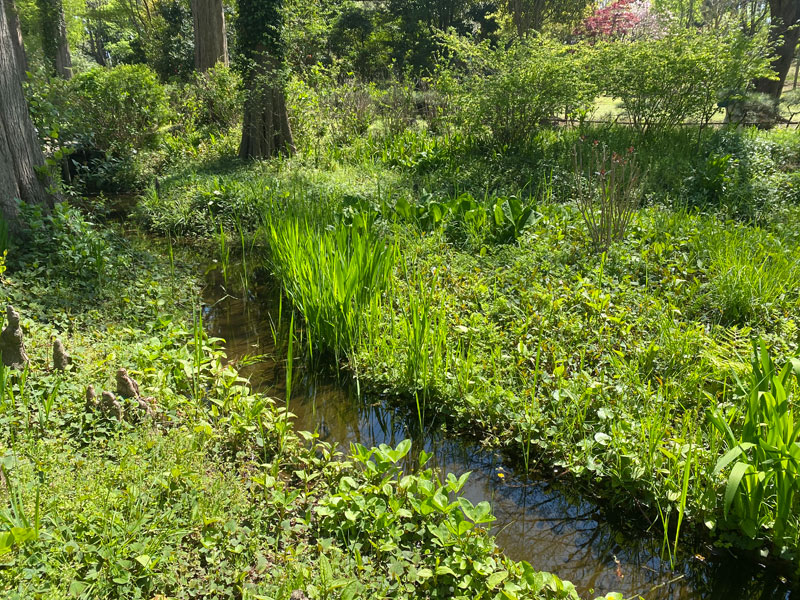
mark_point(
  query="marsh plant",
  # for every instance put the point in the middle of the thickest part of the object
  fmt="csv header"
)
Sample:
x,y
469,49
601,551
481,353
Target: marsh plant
x,y
331,276
607,188
762,483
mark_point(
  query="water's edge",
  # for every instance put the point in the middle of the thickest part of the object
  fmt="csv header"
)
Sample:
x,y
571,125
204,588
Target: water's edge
x,y
537,520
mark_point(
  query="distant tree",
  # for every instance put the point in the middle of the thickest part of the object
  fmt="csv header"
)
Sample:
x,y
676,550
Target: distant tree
x,y
20,154
414,24
16,36
784,33
622,19
54,37
531,15
265,130
210,41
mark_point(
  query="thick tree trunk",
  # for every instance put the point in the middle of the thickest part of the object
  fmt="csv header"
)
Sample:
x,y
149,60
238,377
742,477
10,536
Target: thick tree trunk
x,y
265,130
54,37
785,31
210,42
20,153
15,30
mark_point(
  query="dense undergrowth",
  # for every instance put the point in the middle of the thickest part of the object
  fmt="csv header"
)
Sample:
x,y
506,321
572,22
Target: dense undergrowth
x,y
214,495
503,318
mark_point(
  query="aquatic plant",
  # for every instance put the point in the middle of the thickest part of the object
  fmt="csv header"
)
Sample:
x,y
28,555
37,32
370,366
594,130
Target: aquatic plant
x,y
331,275
765,457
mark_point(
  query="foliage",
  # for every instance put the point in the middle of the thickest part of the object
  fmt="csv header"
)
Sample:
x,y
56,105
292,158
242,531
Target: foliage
x,y
498,221
751,274
118,110
763,480
69,243
607,189
622,19
333,277
217,494
662,83
596,367
213,100
512,92
744,176
412,518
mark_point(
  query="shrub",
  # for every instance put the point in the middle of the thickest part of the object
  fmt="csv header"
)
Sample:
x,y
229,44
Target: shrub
x,y
745,175
65,242
217,97
664,82
120,109
511,92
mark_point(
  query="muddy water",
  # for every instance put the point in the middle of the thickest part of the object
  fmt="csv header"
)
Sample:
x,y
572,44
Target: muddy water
x,y
537,521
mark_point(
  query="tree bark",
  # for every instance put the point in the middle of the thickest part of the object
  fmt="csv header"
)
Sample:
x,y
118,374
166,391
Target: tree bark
x,y
784,31
54,37
210,42
20,153
527,15
15,30
265,131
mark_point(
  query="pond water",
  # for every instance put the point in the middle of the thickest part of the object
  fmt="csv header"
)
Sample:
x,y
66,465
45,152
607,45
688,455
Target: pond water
x,y
539,521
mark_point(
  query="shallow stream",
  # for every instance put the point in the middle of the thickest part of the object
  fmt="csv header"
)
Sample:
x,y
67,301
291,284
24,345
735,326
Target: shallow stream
x,y
539,521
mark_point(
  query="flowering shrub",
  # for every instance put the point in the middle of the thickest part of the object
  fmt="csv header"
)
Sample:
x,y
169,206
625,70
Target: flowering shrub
x,y
623,19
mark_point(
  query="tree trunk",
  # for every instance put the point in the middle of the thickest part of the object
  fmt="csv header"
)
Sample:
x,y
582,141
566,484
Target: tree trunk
x,y
54,37
527,15
784,31
16,37
210,43
20,153
265,130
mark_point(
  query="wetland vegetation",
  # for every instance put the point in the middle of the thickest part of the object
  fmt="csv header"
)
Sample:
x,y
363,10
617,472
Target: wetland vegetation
x,y
565,234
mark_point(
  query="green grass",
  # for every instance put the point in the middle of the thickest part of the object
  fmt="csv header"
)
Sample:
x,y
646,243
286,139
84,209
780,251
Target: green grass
x,y
601,365
216,496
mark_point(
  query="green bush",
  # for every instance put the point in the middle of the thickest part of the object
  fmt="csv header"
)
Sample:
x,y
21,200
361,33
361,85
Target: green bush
x,y
66,243
216,98
510,92
119,110
745,175
683,76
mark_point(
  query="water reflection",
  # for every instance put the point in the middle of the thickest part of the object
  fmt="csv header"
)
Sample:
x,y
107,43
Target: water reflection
x,y
537,521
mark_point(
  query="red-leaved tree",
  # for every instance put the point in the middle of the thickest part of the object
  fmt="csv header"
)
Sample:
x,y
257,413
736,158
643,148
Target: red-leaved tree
x,y
621,19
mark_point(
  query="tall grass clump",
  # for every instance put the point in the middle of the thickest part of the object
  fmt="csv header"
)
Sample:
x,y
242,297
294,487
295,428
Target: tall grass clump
x,y
607,187
332,276
750,275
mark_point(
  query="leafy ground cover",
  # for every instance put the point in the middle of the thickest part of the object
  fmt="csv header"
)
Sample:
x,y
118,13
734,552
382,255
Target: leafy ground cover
x,y
618,366
213,495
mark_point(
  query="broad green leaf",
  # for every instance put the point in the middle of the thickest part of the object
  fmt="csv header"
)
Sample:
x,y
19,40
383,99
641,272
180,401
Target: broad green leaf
x,y
496,579
734,480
